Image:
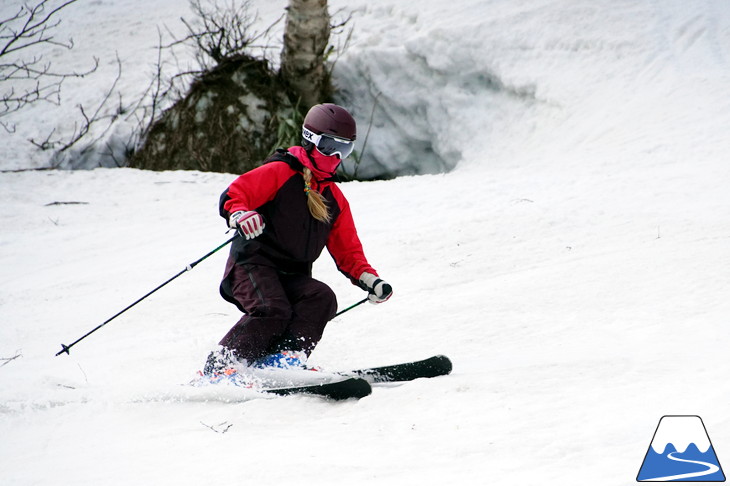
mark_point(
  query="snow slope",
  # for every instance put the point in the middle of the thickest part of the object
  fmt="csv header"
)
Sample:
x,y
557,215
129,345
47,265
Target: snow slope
x,y
573,265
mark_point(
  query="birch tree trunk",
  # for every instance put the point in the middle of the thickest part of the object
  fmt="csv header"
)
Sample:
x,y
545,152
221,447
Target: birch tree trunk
x,y
302,60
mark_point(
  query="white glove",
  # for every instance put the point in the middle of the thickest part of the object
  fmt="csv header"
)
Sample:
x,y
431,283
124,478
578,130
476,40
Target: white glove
x,y
249,223
378,289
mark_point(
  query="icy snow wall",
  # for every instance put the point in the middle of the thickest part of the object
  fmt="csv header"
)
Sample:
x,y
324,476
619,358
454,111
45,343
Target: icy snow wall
x,y
493,82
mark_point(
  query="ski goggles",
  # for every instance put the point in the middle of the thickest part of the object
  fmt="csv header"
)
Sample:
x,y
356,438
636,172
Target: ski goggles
x,y
329,145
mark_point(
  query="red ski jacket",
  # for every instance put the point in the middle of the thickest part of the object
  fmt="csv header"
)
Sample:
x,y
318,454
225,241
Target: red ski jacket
x,y
292,239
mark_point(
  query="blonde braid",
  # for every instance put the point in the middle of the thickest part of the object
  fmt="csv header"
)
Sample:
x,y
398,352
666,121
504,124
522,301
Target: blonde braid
x,y
315,201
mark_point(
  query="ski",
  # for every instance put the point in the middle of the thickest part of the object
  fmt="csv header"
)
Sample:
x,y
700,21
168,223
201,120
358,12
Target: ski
x,y
438,365
277,381
353,384
339,390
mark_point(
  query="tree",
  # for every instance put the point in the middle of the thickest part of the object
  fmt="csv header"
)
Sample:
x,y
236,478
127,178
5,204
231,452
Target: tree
x,y
26,77
238,109
303,58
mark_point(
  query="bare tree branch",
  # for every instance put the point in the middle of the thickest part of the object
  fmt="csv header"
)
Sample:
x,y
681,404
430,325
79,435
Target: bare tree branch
x,y
220,428
81,130
25,77
8,360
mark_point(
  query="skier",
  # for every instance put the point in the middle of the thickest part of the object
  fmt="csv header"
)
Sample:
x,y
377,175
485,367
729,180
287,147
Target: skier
x,y
287,211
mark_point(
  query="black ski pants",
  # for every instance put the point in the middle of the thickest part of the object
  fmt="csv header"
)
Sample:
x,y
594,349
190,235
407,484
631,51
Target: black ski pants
x,y
283,311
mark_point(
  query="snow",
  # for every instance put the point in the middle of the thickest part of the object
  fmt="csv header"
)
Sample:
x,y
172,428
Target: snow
x,y
573,263
680,431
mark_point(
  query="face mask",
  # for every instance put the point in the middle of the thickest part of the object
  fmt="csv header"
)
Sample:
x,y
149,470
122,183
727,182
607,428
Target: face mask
x,y
325,166
322,166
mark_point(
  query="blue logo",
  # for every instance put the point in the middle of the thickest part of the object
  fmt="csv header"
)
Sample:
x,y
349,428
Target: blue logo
x,y
681,451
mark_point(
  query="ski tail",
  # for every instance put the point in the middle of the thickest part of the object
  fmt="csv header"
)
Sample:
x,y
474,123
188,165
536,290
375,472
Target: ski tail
x,y
278,381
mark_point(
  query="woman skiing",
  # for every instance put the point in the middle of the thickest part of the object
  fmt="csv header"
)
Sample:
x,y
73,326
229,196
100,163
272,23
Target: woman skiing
x,y
287,211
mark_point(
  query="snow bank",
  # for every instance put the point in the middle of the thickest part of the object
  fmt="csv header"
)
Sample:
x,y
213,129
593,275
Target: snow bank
x,y
492,82
433,88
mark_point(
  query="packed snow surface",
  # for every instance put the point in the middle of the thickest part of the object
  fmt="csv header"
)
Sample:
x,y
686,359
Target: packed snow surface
x,y
573,260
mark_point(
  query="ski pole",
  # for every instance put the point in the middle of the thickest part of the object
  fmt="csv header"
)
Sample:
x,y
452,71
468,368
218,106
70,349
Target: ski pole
x,y
351,307
67,348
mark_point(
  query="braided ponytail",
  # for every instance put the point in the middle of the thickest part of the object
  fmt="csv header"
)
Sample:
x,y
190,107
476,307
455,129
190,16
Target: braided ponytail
x,y
315,201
